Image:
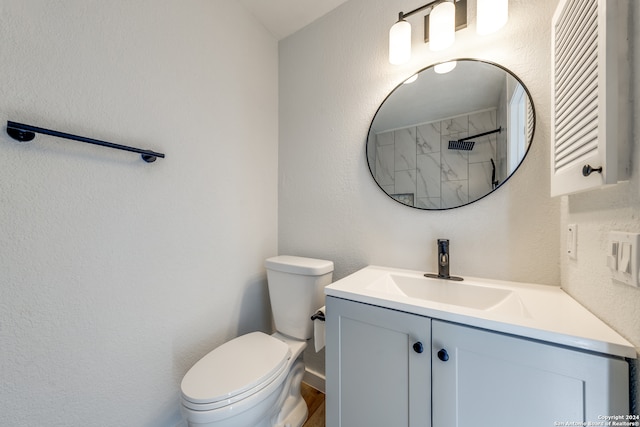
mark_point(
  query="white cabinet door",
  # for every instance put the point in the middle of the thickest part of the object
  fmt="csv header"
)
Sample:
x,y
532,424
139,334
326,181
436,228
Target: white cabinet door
x,y
497,380
589,83
375,377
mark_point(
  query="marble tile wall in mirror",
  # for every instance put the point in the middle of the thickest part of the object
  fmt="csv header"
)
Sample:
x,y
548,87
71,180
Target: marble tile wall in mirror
x,y
416,160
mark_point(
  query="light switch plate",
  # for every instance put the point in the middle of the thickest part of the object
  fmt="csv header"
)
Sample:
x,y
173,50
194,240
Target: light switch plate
x,y
623,257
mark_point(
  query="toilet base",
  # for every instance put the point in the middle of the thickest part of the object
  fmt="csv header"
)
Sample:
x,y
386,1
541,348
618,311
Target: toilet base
x,y
294,410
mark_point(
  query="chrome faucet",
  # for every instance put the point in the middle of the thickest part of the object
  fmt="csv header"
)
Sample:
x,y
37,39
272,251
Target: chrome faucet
x,y
443,262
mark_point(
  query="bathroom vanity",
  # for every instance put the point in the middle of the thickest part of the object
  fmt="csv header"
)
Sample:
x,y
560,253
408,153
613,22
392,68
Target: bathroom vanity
x,y
405,350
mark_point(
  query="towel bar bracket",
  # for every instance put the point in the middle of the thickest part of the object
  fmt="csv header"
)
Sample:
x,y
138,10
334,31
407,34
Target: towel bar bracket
x,y
23,133
20,135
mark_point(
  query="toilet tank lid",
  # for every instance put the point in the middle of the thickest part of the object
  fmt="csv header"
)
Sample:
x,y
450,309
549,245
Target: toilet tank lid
x,y
299,265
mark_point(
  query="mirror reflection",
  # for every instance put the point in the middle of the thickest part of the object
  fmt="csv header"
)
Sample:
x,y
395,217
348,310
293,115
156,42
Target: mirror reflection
x,y
447,140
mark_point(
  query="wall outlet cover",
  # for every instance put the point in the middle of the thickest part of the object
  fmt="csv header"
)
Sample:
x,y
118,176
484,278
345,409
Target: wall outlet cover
x,y
572,241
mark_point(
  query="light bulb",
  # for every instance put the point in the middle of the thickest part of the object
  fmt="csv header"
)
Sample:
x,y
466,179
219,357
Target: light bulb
x,y
442,23
492,15
400,42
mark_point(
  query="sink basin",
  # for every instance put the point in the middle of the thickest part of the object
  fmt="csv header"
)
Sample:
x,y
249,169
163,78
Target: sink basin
x,y
451,293
540,312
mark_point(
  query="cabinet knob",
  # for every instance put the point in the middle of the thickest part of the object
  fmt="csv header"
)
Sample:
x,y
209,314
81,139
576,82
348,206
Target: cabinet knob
x,y
588,170
418,347
443,355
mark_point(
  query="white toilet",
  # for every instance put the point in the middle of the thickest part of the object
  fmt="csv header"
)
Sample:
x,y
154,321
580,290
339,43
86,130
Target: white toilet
x,y
254,380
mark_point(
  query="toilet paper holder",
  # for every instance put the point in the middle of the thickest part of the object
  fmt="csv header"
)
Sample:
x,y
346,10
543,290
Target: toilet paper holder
x,y
318,315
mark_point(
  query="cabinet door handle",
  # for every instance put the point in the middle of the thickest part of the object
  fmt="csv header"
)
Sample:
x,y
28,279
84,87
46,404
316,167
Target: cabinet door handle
x,y
418,347
443,355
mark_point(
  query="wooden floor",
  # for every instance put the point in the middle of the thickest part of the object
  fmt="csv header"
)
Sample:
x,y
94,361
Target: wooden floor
x,y
315,403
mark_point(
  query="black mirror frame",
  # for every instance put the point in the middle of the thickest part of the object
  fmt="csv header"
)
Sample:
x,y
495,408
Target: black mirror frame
x,y
530,142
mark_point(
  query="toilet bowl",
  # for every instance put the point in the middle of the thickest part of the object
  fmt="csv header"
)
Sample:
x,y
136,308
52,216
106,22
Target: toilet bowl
x,y
254,380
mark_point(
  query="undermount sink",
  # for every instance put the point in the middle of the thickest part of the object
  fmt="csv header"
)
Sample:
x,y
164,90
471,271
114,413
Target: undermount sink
x,y
452,293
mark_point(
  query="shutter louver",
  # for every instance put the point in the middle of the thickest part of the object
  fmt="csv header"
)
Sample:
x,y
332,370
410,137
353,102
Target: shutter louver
x,y
584,95
576,83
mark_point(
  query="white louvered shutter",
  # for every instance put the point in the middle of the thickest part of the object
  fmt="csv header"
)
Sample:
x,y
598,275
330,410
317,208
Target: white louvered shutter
x,y
584,95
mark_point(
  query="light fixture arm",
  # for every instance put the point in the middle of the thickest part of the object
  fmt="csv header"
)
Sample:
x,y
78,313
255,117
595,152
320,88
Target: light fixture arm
x,y
403,15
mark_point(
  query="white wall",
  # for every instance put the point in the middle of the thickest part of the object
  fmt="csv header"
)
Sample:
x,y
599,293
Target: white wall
x,y
117,275
598,212
333,76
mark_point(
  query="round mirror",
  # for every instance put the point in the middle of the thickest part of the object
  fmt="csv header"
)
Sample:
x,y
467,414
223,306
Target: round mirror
x,y
450,137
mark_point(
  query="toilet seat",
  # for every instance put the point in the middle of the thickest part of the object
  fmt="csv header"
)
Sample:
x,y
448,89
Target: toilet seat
x,y
234,371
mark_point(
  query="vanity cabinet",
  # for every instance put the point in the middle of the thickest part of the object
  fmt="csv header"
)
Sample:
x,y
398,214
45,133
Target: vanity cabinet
x,y
378,375
492,379
378,366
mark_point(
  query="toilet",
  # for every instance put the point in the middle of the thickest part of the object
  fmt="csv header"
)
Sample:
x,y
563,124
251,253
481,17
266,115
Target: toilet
x,y
254,380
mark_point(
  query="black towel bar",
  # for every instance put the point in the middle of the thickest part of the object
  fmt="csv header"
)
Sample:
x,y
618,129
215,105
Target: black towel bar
x,y
22,132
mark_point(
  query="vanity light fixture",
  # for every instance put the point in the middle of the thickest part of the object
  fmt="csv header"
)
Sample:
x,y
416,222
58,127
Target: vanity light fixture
x,y
443,19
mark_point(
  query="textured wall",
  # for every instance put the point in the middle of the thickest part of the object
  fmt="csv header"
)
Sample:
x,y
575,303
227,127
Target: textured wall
x,y
117,275
596,213
333,76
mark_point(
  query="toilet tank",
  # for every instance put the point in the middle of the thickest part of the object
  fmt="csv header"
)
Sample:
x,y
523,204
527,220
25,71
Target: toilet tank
x,y
296,290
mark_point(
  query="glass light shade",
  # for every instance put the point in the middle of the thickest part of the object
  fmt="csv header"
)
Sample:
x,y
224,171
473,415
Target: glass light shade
x,y
400,43
492,15
445,67
442,26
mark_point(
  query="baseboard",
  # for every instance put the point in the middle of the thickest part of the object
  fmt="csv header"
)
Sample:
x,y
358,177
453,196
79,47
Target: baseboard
x,y
314,379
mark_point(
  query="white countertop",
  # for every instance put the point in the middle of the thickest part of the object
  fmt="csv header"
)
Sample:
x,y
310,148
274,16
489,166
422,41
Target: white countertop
x,y
540,312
